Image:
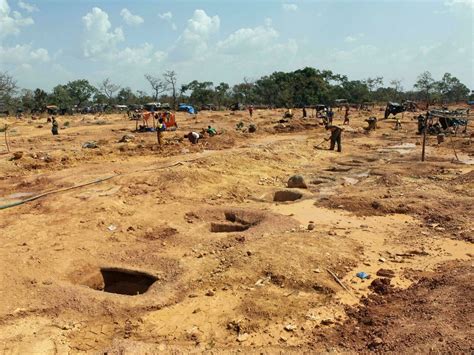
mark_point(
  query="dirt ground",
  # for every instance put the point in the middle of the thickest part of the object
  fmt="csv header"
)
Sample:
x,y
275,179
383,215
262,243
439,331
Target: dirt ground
x,y
182,248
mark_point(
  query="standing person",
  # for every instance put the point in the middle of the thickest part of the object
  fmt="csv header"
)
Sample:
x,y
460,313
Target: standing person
x,y
54,126
304,112
330,115
251,111
346,115
336,136
160,128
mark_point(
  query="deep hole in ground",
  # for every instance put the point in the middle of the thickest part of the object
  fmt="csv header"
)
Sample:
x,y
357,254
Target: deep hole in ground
x,y
286,195
234,223
126,282
119,281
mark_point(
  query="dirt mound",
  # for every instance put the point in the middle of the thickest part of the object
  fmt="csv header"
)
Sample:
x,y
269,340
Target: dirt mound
x,y
413,320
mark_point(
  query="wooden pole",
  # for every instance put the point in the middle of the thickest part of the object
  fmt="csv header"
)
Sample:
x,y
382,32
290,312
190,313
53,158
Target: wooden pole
x,y
6,138
424,137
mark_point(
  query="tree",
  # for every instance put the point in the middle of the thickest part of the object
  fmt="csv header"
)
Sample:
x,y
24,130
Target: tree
x,y
426,85
396,84
7,85
108,88
221,94
451,89
80,91
201,92
27,100
374,83
41,100
171,79
126,96
61,97
8,89
158,85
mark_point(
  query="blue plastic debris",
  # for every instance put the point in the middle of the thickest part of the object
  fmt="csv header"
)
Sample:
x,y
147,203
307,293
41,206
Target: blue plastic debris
x,y
362,275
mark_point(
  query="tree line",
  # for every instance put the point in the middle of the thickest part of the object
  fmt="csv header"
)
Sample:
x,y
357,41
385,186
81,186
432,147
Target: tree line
x,y
304,87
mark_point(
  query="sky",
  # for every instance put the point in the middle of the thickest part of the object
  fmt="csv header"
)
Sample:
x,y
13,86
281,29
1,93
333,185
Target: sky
x,y
48,42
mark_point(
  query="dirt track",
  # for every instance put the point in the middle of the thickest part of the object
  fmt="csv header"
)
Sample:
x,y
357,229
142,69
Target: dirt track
x,y
230,268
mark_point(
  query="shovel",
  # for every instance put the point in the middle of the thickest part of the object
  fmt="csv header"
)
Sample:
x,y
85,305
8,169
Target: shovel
x,y
324,141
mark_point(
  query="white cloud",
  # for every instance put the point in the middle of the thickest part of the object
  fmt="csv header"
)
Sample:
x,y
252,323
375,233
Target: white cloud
x,y
254,50
141,55
289,7
27,7
101,42
468,3
131,19
350,39
193,42
168,17
11,22
425,50
202,25
100,39
248,39
23,54
357,54
353,38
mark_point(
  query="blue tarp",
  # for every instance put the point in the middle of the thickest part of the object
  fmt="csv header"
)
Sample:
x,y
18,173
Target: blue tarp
x,y
187,108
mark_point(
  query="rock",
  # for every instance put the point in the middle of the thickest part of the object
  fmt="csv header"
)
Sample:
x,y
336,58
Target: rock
x,y
210,293
381,286
17,155
310,226
127,138
376,341
243,337
90,145
327,321
386,273
318,271
382,260
252,128
290,327
297,181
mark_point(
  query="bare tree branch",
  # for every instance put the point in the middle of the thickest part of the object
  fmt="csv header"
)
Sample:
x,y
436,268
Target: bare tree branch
x,y
158,85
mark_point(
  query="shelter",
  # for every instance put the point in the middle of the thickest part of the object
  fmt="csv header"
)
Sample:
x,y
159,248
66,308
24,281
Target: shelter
x,y
187,108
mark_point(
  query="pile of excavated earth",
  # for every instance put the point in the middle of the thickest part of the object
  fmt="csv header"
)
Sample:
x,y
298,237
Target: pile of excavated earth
x,y
253,242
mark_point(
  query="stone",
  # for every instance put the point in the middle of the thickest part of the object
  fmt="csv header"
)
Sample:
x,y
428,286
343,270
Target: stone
x,y
17,155
90,145
210,293
290,327
127,138
310,226
297,181
243,337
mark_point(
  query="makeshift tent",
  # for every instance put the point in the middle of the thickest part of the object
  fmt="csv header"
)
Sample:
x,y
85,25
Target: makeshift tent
x,y
187,108
169,119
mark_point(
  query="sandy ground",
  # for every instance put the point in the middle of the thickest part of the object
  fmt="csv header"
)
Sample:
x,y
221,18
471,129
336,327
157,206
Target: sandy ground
x,y
219,265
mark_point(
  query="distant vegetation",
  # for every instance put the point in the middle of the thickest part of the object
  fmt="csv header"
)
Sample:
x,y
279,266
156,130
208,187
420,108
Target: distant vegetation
x,y
307,86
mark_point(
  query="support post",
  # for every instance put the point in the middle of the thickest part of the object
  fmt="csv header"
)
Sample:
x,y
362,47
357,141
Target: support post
x,y
424,137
